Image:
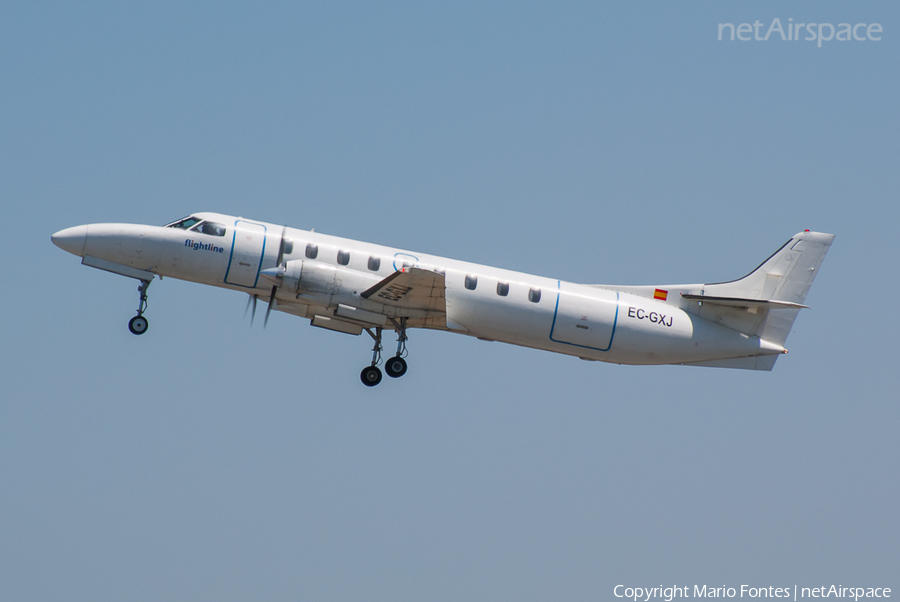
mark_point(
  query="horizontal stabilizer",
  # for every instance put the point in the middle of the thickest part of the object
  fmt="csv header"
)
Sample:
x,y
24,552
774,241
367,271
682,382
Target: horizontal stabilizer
x,y
765,302
742,302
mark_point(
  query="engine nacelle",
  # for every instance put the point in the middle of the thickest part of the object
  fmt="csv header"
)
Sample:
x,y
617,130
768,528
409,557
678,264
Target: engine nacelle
x,y
319,283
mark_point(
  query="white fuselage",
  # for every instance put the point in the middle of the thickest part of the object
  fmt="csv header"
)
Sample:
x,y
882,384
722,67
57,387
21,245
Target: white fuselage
x,y
590,322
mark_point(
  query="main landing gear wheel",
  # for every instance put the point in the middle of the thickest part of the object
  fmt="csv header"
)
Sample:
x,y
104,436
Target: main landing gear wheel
x,y
370,376
395,367
138,325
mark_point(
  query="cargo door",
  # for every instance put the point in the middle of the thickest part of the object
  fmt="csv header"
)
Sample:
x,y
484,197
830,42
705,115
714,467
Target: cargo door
x,y
584,317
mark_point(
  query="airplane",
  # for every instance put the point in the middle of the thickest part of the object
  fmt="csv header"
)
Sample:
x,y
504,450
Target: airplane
x,y
353,287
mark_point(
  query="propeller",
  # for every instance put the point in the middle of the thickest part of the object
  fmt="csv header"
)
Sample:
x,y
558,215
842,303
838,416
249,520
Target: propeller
x,y
272,301
251,299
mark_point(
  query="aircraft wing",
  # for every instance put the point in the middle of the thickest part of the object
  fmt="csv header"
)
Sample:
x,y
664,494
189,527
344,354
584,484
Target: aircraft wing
x,y
410,288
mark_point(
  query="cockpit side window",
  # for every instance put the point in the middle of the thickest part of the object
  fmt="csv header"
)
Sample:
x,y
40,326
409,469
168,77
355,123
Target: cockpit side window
x,y
185,223
210,228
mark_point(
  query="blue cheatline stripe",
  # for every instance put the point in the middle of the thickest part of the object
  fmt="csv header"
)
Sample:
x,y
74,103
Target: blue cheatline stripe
x,y
555,310
231,255
263,254
397,255
612,335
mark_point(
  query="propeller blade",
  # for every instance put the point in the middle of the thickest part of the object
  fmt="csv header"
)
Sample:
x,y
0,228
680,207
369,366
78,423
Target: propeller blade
x,y
253,314
281,247
272,303
246,309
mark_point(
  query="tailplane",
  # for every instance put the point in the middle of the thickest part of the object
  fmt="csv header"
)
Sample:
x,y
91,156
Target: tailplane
x,y
763,304
775,291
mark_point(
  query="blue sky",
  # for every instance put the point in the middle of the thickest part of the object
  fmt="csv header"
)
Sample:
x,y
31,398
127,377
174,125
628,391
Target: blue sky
x,y
604,144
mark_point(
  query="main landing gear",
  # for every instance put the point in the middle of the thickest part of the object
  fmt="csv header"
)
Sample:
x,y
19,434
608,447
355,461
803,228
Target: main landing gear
x,y
396,366
139,324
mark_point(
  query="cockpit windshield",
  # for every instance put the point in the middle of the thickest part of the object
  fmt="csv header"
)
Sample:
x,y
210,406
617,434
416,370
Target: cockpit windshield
x,y
211,228
185,223
195,224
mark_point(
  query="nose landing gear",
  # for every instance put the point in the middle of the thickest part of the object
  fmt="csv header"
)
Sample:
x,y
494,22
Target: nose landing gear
x,y
396,366
139,324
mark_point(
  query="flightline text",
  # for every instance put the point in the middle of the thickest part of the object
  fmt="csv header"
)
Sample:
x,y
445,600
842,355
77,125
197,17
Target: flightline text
x,y
199,246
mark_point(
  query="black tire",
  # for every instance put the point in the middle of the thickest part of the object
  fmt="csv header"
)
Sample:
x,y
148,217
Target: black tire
x,y
138,325
395,367
370,376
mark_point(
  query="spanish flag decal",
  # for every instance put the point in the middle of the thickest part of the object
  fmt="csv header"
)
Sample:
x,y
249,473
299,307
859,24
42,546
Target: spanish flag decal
x,y
660,294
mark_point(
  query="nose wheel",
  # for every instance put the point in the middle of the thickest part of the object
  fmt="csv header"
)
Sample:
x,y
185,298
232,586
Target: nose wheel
x,y
139,324
396,366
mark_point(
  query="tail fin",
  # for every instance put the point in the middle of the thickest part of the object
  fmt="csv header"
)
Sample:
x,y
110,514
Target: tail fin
x,y
774,292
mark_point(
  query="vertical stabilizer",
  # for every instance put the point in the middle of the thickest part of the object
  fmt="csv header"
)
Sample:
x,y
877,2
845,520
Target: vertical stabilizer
x,y
785,277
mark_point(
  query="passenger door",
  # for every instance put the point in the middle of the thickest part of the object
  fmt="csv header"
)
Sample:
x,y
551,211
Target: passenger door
x,y
247,250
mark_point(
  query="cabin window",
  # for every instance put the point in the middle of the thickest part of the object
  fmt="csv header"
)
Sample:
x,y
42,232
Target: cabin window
x,y
185,223
441,272
312,251
534,295
471,282
374,263
210,228
343,257
287,246
503,288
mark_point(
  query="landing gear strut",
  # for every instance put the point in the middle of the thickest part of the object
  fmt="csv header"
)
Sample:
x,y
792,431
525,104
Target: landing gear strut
x,y
371,375
396,366
139,324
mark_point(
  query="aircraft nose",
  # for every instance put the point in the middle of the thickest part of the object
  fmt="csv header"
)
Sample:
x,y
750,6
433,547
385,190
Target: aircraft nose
x,y
71,240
